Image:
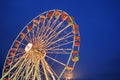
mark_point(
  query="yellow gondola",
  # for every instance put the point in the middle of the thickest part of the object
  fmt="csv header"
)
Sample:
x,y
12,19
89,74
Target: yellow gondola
x,y
17,43
77,38
22,35
42,18
75,31
57,13
69,68
35,23
70,20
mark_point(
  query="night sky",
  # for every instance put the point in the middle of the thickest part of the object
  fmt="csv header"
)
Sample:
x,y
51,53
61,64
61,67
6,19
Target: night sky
x,y
99,24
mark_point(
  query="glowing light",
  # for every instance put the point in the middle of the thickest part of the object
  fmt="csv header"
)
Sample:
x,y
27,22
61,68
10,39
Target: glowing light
x,y
28,47
68,75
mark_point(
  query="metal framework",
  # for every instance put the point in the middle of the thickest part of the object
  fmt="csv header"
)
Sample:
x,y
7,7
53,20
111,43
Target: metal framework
x,y
47,48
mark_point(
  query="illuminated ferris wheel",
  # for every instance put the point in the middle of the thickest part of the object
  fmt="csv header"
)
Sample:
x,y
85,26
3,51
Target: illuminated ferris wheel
x,y
47,48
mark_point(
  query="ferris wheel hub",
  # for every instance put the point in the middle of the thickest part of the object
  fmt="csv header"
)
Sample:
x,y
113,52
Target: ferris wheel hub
x,y
28,47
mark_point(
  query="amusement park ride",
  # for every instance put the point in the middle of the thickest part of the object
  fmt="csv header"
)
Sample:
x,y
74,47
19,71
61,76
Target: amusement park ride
x,y
47,48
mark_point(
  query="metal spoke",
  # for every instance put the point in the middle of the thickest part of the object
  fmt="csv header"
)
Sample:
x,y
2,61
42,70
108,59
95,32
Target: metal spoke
x,y
56,60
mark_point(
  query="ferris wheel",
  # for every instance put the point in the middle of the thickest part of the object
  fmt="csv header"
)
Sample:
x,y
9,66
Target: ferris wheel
x,y
47,48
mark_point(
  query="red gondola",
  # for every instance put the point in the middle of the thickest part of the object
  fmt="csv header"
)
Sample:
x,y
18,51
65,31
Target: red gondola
x,y
13,50
75,26
12,54
29,28
6,69
6,79
64,16
50,14
75,52
77,43
9,63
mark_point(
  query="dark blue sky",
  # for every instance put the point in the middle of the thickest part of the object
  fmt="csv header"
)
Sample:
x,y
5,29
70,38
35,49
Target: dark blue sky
x,y
99,22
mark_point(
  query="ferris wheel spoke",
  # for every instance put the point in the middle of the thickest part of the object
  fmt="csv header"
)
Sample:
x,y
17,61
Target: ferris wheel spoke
x,y
38,75
49,70
50,20
59,45
58,49
18,49
21,50
53,30
12,68
17,43
42,28
38,28
27,39
55,21
55,35
29,35
58,52
55,60
48,27
18,56
33,36
53,71
67,53
34,74
29,73
43,31
28,67
35,70
60,39
52,33
19,69
44,69
21,76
